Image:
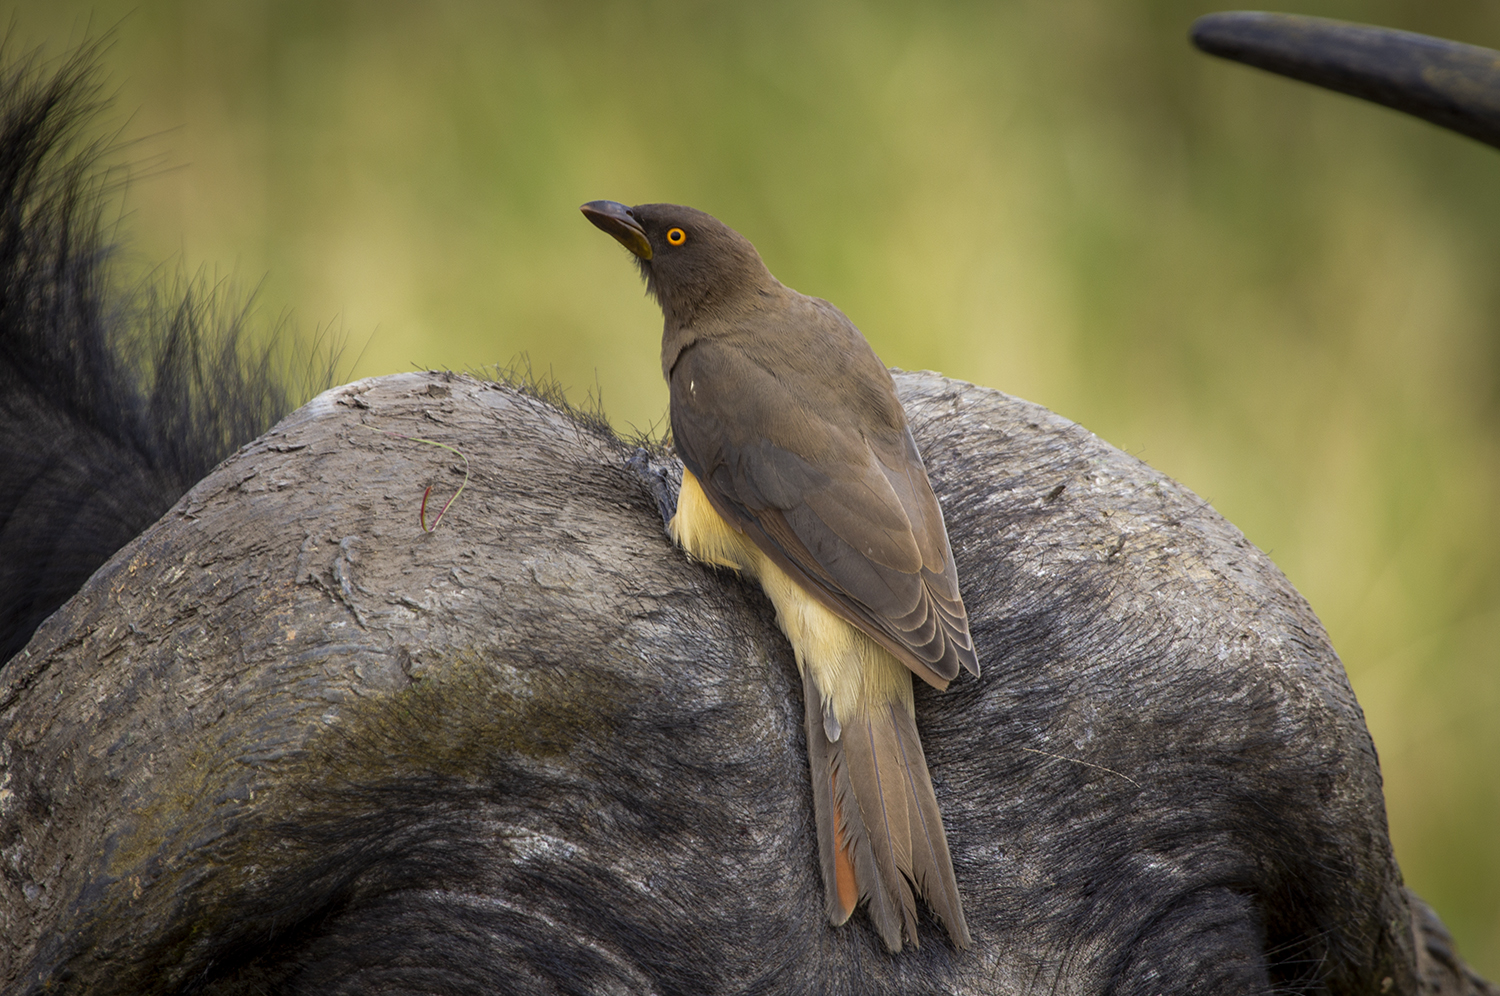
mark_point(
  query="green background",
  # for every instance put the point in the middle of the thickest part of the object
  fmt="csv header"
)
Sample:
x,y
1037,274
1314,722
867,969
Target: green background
x,y
1285,298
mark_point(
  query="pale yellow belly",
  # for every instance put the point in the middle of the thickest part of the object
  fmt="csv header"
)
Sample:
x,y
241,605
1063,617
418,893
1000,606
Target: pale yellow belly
x,y
851,670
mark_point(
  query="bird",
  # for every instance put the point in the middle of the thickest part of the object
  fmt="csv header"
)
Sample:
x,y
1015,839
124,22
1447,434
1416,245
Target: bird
x,y
801,473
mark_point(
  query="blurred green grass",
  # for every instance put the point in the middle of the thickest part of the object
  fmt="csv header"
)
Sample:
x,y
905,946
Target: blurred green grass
x,y
1286,299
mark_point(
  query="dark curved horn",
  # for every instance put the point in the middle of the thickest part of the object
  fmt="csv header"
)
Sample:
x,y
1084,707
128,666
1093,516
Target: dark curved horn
x,y
1448,83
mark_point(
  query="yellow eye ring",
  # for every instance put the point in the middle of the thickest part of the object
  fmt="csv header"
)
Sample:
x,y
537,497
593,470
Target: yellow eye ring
x,y
676,236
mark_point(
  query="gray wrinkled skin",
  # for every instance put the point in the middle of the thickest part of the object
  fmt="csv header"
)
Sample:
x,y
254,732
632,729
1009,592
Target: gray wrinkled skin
x,y
287,742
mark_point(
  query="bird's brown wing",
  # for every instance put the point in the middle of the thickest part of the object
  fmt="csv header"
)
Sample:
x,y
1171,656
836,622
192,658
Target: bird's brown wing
x,y
843,506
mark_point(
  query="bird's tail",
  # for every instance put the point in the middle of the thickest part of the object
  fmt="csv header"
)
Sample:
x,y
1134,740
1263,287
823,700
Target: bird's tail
x,y
880,836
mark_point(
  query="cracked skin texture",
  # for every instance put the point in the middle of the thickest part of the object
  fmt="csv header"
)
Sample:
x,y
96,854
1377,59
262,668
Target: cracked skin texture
x,y
285,740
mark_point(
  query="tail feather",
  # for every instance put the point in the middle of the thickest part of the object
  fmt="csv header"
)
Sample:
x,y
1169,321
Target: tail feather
x,y
835,847
932,866
877,871
878,823
875,797
846,893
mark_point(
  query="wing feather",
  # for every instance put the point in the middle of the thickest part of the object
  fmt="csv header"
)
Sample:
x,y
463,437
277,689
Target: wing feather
x,y
843,506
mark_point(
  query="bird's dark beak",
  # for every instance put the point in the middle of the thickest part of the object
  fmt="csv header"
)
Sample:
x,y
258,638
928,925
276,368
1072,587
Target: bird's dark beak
x,y
615,219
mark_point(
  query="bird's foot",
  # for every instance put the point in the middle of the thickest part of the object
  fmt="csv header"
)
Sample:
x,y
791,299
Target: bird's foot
x,y
662,478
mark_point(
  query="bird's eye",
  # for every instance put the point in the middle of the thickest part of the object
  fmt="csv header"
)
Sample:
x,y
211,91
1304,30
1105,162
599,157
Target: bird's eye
x,y
676,236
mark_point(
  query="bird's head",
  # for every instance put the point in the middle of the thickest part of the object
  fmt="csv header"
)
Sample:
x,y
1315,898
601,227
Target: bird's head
x,y
693,263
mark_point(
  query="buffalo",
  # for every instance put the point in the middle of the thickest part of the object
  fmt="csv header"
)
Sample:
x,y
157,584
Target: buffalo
x,y
303,733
